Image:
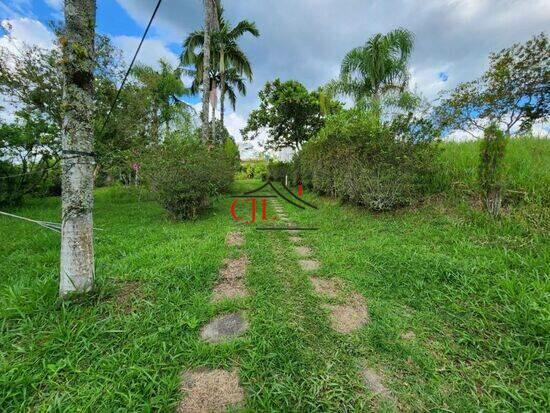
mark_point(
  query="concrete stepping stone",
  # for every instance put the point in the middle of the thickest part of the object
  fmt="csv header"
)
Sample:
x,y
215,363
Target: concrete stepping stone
x,y
228,290
206,390
235,239
295,239
349,317
309,265
373,382
328,287
303,251
234,268
224,328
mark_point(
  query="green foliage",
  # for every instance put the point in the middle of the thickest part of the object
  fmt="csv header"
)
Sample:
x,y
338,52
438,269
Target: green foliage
x,y
378,67
277,171
254,169
28,154
525,163
491,168
514,92
290,114
361,160
186,175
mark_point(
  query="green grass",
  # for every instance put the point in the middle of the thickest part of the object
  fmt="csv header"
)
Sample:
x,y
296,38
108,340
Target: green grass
x,y
474,291
526,176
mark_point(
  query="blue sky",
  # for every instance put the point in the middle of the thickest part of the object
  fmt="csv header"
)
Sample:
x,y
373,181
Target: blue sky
x,y
306,40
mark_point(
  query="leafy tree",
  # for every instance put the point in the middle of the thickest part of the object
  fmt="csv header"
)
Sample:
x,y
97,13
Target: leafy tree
x,y
513,93
290,114
378,67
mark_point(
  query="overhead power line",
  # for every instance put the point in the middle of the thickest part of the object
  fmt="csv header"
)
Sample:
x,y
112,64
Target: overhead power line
x,y
117,94
130,67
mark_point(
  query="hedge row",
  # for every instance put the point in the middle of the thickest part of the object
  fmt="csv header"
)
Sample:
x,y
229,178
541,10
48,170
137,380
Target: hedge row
x,y
364,161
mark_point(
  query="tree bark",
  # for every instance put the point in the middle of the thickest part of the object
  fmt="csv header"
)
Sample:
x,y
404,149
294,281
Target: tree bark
x,y
77,250
208,15
222,87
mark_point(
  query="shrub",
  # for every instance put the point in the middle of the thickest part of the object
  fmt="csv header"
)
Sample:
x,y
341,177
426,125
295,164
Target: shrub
x,y
254,169
276,171
364,161
185,175
491,168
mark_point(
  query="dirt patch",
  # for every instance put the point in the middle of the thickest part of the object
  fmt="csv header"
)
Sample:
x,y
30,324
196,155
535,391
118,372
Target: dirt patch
x,y
224,328
349,317
227,290
235,239
303,251
309,265
374,383
295,239
124,297
207,391
409,336
329,287
235,268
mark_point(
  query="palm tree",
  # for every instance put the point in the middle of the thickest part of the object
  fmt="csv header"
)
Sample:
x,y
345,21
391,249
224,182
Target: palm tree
x,y
378,67
226,55
162,86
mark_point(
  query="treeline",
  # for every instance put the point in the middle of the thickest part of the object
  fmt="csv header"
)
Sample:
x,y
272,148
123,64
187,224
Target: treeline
x,y
386,150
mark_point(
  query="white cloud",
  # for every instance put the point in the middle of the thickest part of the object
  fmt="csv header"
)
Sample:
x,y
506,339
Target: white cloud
x,y
24,31
151,51
55,4
306,40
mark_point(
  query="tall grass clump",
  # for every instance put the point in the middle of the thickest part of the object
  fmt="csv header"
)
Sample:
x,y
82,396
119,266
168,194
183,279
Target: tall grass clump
x,y
364,161
525,171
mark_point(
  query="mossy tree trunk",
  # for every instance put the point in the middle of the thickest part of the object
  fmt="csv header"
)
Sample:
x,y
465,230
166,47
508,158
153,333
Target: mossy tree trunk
x,y
77,249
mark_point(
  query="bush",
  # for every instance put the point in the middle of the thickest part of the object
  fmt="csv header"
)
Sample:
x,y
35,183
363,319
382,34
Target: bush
x,y
490,175
276,171
255,169
361,160
186,175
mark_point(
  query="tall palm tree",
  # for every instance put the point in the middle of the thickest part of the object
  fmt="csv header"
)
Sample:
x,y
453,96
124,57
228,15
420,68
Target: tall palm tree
x,y
379,66
226,55
162,86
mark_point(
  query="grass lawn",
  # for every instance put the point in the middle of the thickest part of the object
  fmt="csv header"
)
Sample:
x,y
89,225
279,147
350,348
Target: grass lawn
x,y
459,317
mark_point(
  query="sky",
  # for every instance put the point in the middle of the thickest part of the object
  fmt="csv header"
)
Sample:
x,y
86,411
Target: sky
x,y
307,39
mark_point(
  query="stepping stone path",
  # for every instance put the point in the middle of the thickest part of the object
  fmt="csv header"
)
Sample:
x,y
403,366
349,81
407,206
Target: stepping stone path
x,y
208,391
224,327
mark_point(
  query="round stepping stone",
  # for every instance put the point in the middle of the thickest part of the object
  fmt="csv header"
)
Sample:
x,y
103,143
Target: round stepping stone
x,y
207,390
303,251
224,328
374,382
235,239
309,265
349,317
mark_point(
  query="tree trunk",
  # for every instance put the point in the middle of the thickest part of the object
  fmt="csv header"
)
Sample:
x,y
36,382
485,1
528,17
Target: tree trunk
x,y
493,201
222,87
77,249
208,13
